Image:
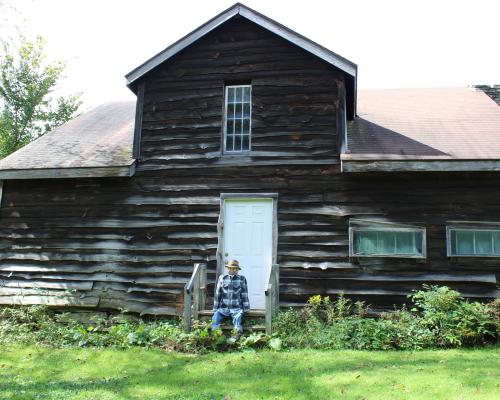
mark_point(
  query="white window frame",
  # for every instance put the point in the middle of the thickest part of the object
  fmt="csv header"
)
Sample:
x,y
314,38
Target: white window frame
x,y
387,228
472,227
234,152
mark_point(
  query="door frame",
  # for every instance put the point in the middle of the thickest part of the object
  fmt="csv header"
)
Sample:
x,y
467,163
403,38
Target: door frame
x,y
220,225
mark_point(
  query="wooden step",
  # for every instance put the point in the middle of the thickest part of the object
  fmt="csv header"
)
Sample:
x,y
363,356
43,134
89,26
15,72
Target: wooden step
x,y
246,328
253,321
249,328
249,314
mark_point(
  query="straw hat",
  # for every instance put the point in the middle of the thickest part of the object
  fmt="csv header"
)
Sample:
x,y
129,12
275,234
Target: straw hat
x,y
233,264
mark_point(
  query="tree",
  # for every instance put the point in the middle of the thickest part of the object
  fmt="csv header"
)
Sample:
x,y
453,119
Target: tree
x,y
27,110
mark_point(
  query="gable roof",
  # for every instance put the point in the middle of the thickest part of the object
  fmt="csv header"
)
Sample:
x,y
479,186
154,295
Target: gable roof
x,y
400,128
238,9
96,143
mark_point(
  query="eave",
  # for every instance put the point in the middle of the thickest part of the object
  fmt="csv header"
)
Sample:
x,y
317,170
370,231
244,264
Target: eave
x,y
401,163
64,173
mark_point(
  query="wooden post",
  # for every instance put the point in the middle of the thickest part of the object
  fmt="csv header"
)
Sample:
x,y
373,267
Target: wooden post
x,y
196,291
203,287
192,298
272,297
276,287
187,310
269,308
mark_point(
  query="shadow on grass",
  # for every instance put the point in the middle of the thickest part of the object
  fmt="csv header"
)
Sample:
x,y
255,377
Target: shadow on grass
x,y
298,375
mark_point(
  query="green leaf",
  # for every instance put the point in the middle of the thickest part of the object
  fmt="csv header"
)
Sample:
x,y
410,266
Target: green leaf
x,y
27,110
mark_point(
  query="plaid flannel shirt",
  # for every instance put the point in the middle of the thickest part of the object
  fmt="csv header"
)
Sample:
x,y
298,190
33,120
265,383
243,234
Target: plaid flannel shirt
x,y
231,292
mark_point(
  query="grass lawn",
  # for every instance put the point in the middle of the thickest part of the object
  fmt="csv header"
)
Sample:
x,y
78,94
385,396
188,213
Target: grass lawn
x,y
43,373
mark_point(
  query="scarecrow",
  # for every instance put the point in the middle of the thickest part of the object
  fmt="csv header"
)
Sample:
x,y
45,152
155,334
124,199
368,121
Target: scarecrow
x,y
231,298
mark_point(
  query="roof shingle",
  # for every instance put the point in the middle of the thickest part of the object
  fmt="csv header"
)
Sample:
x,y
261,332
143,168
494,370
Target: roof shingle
x,y
445,123
101,137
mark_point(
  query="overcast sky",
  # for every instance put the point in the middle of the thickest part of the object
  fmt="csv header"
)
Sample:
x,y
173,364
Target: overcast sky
x,y
399,43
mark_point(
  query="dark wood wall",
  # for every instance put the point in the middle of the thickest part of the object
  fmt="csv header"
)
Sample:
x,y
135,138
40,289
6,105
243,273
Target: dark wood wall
x,y
131,242
294,102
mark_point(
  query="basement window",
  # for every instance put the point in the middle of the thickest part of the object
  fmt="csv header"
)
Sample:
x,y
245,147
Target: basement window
x,y
238,119
387,241
473,242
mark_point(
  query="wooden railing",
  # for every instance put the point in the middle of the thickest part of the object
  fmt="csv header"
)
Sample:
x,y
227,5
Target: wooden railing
x,y
194,295
272,296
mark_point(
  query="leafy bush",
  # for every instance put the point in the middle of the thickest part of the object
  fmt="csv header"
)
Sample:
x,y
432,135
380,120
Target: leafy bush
x,y
441,318
41,325
453,321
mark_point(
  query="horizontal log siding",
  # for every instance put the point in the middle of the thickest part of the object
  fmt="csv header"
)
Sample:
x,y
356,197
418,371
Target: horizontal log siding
x,y
294,102
131,243
99,242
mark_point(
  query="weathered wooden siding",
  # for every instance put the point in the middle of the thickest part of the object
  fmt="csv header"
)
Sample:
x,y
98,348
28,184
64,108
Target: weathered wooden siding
x,y
131,242
424,199
294,102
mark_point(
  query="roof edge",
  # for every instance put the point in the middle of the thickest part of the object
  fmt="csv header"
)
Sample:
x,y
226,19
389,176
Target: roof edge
x,y
384,157
312,47
62,173
419,165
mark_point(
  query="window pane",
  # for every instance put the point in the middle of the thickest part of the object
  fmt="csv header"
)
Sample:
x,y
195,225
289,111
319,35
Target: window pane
x,y
229,143
496,243
418,243
246,110
464,242
237,143
246,96
246,127
484,245
246,142
239,95
365,242
387,242
230,111
230,95
230,126
405,243
238,112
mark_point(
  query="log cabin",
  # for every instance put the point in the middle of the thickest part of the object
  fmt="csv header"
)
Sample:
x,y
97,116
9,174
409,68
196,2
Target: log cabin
x,y
249,141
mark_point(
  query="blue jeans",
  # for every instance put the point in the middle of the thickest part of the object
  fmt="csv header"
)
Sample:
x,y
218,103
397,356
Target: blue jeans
x,y
236,315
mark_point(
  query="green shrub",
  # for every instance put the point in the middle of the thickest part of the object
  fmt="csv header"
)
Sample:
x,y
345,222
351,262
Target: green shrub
x,y
453,321
441,318
41,325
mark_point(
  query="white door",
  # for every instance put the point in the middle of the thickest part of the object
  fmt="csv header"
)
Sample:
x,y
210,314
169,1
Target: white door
x,y
248,238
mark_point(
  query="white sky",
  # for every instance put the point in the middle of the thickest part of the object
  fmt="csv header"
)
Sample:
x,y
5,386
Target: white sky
x,y
396,43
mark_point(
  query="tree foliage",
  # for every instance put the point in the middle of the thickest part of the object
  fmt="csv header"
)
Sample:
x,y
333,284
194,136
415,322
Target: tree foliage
x,y
27,109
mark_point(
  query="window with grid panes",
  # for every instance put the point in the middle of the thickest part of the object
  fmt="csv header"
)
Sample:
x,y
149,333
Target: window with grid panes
x,y
238,114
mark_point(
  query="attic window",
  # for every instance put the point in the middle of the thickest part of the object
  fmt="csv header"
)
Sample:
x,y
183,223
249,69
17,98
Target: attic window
x,y
237,118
